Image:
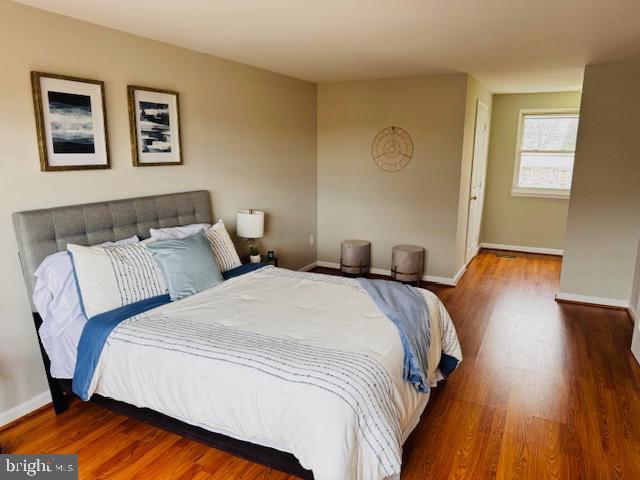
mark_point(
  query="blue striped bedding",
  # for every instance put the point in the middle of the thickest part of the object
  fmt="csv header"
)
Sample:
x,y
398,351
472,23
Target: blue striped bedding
x,y
282,336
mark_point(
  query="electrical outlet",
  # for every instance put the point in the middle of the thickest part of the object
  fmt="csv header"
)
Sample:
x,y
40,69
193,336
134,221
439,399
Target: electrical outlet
x,y
312,239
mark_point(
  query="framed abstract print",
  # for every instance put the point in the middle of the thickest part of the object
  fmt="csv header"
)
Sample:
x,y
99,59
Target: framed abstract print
x,y
154,122
71,122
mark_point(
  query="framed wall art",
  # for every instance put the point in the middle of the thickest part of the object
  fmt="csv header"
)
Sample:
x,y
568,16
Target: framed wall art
x,y
71,122
154,122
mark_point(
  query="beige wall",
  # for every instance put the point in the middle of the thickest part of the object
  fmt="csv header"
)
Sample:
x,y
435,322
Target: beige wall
x,y
634,299
419,204
634,304
603,226
475,92
520,221
249,137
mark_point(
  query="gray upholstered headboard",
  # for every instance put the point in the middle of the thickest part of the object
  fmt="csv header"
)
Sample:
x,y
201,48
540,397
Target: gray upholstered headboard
x,y
43,232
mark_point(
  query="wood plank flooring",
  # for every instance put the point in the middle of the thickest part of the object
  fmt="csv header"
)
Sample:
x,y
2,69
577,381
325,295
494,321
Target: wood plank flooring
x,y
546,390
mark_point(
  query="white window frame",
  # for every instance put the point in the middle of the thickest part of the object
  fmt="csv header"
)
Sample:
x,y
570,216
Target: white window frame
x,y
517,191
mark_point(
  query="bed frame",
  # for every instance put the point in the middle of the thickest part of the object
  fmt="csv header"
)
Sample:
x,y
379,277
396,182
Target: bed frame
x,y
40,233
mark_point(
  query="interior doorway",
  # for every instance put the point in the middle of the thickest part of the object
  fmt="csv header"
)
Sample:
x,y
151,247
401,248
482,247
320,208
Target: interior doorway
x,y
478,172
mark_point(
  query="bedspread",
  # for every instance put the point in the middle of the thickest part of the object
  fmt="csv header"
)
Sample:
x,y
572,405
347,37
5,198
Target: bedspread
x,y
302,362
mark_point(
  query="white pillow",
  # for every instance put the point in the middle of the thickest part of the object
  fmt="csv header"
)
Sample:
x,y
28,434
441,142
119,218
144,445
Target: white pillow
x,y
222,246
114,276
174,233
56,293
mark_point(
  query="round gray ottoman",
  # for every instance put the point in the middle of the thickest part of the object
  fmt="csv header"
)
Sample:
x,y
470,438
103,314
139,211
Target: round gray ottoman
x,y
355,256
407,263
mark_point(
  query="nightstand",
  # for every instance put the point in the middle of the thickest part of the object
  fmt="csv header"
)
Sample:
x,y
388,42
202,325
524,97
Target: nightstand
x,y
267,261
270,261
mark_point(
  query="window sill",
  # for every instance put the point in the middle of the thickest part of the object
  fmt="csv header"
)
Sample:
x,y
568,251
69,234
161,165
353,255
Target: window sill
x,y
540,193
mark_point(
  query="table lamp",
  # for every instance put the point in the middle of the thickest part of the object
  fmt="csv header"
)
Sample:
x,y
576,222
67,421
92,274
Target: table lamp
x,y
250,225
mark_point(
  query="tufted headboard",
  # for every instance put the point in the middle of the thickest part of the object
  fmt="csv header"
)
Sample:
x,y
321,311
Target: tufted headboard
x,y
43,232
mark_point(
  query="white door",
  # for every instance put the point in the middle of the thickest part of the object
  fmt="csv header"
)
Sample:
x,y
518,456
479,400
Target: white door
x,y
478,171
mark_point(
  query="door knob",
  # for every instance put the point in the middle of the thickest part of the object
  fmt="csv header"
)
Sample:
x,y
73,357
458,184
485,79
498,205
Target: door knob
x,y
474,198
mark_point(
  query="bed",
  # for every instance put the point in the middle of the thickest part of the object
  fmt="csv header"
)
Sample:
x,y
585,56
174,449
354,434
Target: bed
x,y
243,365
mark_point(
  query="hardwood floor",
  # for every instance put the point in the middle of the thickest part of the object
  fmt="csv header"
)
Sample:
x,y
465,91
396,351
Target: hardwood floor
x,y
546,390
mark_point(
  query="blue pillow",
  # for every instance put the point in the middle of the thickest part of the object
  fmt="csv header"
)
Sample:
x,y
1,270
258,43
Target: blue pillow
x,y
188,264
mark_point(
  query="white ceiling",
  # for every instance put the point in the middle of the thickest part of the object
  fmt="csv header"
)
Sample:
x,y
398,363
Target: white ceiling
x,y
508,45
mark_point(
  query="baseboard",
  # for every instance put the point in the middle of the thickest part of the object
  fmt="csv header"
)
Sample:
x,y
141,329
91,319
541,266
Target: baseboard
x,y
322,263
590,300
633,315
306,268
635,343
460,273
25,408
520,248
451,282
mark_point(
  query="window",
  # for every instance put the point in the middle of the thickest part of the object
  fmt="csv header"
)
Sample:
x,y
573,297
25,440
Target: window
x,y
545,153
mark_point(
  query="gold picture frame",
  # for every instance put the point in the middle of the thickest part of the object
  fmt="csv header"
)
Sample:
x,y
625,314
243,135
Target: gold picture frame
x,y
71,122
155,137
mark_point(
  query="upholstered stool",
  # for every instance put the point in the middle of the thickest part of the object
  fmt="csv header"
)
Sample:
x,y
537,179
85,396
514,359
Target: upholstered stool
x,y
355,256
407,263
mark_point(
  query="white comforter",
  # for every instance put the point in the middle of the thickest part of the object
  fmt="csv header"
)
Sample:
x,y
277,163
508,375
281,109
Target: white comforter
x,y
302,362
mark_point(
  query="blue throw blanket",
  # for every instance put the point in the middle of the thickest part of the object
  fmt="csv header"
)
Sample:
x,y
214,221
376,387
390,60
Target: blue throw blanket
x,y
242,269
95,334
406,308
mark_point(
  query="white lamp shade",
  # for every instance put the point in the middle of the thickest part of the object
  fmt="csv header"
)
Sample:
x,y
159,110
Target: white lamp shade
x,y
250,224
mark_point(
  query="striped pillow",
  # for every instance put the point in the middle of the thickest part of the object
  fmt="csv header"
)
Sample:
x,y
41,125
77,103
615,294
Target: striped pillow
x,y
222,247
113,276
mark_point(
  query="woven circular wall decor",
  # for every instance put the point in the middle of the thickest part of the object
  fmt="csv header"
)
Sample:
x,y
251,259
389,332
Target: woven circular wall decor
x,y
392,149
